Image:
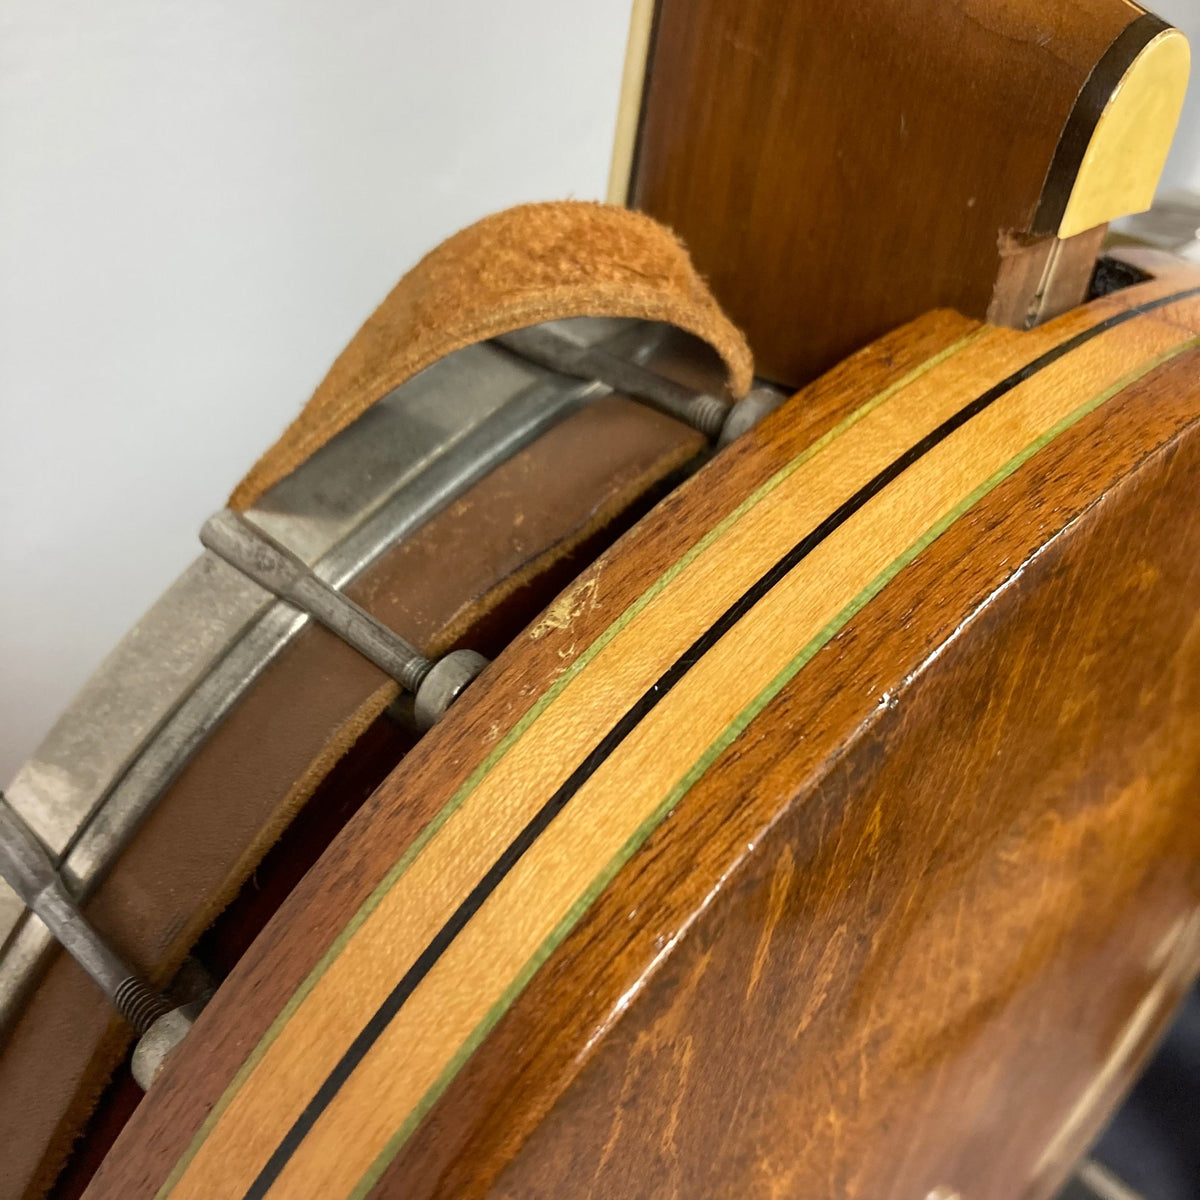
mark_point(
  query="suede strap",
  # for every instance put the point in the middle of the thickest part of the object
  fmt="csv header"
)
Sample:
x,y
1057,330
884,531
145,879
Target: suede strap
x,y
533,263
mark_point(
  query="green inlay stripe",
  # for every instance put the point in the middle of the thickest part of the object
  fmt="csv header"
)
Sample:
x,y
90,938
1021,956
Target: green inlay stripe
x,y
476,777
731,732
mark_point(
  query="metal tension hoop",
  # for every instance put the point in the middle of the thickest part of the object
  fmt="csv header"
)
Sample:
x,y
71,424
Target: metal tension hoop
x,y
555,345
561,347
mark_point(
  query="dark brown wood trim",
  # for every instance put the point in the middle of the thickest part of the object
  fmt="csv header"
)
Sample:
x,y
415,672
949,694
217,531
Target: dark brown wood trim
x,y
1093,99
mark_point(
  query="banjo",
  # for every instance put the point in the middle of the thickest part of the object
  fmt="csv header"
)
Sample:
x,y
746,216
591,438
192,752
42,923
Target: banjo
x,y
699,713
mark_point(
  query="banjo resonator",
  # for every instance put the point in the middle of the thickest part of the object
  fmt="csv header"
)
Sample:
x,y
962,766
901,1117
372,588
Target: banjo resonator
x,y
701,701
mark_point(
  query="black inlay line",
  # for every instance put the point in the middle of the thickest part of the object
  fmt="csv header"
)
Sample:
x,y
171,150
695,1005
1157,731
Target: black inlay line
x,y
1091,102
658,691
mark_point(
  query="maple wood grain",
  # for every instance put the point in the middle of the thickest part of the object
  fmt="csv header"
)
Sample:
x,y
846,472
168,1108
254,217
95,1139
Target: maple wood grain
x,y
941,961
865,950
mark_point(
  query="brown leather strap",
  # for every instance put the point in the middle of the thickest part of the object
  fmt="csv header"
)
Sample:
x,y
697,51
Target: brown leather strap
x,y
537,262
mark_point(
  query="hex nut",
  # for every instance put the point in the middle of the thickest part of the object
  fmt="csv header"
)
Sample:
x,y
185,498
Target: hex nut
x,y
155,1045
748,411
444,683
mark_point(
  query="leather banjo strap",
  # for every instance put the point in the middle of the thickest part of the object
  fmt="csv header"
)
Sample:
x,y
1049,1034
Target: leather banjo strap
x,y
520,267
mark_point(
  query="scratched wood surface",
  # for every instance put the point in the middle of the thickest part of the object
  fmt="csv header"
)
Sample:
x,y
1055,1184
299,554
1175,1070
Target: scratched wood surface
x,y
783,854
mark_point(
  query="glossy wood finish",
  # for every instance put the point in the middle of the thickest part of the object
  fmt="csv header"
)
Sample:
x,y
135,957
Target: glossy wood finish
x,y
839,169
942,963
474,573
796,895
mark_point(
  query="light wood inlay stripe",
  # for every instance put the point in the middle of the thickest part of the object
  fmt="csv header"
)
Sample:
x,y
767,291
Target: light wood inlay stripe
x,y
324,1054
415,1050
652,769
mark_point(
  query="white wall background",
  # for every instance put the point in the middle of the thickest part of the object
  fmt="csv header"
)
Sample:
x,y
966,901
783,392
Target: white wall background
x,y
200,200
1183,167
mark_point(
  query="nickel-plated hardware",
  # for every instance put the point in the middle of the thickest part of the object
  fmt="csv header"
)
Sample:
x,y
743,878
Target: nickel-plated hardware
x,y
557,346
271,565
28,870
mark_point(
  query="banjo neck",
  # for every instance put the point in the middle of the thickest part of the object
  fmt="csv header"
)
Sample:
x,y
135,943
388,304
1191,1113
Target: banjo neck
x,y
839,169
